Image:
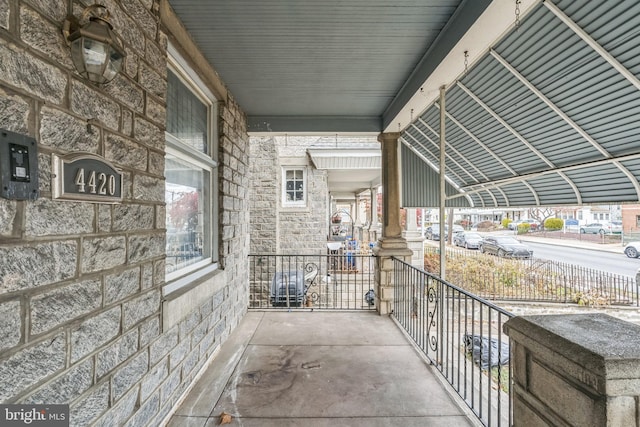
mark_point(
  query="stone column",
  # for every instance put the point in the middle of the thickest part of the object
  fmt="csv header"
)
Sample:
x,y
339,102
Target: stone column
x,y
575,370
391,244
414,238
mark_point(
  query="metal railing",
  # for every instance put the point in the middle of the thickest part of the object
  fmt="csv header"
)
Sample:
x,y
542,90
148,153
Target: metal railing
x,y
342,281
462,335
537,280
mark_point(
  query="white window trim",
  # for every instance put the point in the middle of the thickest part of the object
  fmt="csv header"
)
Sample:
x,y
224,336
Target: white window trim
x,y
178,280
295,204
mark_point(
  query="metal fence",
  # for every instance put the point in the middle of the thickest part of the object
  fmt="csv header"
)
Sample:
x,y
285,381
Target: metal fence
x,y
342,281
536,280
462,336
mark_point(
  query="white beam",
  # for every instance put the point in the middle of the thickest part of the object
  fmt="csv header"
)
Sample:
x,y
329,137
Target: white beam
x,y
594,44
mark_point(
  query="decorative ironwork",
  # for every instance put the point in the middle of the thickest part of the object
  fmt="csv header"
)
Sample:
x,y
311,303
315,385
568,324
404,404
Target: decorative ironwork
x,y
517,23
432,300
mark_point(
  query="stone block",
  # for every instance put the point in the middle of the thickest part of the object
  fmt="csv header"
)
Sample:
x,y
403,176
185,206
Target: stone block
x,y
190,362
149,330
4,14
170,386
156,163
145,414
126,92
121,285
125,152
156,56
153,379
163,345
126,27
179,352
29,73
92,104
131,63
94,332
562,397
156,111
146,247
116,353
141,307
147,276
43,36
65,132
198,333
31,365
66,387
14,112
153,82
46,217
129,374
104,218
621,411
148,188
149,134
143,17
54,9
84,411
133,217
120,411
103,253
56,307
190,322
127,122
30,267
10,324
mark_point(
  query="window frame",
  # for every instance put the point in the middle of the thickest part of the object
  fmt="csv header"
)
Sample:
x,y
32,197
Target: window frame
x,y
296,203
208,162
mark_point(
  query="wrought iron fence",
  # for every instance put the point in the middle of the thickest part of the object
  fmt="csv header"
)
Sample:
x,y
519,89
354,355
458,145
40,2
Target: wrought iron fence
x,y
536,280
462,336
343,281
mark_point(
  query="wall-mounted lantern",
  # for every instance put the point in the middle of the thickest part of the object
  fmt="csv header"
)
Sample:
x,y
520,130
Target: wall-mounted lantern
x,y
95,51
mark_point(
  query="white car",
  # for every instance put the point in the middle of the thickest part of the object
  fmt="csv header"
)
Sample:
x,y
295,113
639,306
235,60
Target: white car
x,y
632,250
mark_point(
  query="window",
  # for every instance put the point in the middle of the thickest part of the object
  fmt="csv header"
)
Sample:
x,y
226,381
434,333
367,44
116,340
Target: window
x,y
294,187
190,173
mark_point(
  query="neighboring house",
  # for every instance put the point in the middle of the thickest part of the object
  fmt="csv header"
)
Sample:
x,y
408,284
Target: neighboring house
x,y
294,192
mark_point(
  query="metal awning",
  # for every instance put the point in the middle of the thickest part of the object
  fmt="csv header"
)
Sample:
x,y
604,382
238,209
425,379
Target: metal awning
x,y
543,114
549,115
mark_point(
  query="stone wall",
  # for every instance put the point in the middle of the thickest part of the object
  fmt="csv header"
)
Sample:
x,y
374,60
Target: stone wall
x,y
82,315
287,230
263,193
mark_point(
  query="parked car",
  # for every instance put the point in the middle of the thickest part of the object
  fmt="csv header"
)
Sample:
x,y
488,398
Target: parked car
x,y
632,250
468,240
594,228
533,224
433,232
505,246
616,227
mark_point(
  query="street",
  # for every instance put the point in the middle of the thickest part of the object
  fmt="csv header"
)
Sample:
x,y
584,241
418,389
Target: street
x,y
598,260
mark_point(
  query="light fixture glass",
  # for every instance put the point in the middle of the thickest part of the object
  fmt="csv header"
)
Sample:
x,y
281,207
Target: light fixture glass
x,y
95,51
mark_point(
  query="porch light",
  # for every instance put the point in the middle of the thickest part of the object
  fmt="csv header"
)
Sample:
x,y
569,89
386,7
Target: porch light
x,y
95,51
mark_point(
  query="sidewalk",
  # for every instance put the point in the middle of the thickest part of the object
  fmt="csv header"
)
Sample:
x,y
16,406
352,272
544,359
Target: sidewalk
x,y
607,247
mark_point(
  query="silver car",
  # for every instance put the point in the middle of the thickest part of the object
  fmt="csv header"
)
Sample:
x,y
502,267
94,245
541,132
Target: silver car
x,y
468,240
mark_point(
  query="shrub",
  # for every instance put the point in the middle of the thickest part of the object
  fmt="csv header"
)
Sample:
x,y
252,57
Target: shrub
x,y
485,226
524,227
506,222
553,224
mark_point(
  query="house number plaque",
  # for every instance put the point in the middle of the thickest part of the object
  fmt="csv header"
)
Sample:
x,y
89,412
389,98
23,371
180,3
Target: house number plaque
x,y
86,177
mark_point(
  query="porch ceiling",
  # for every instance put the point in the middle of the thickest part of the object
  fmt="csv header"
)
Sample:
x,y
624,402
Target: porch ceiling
x,y
546,114
349,171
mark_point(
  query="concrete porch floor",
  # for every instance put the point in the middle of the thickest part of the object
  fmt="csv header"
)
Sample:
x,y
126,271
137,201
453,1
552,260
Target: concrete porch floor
x,y
319,369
